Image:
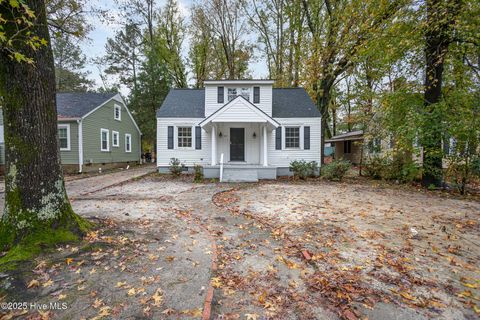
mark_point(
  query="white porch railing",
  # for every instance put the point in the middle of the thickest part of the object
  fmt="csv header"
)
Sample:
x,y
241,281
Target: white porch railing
x,y
221,167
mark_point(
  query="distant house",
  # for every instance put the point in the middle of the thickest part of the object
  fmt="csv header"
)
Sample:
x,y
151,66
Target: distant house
x,y
95,130
256,130
347,146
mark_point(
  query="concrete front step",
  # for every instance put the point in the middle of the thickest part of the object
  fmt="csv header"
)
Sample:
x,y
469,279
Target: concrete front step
x,y
240,175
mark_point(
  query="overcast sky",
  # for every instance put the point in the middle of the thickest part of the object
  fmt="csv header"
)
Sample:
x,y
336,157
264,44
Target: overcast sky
x,y
95,46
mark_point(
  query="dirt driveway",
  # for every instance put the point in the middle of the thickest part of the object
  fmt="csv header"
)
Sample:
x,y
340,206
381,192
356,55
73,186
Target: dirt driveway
x,y
171,249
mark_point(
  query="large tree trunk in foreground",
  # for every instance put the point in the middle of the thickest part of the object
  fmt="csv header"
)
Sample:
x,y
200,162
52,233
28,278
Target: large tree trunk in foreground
x,y
36,205
440,19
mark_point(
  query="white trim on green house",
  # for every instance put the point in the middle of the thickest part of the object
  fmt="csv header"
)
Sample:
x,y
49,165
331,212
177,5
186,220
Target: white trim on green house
x,y
67,127
107,136
128,142
80,145
118,98
115,142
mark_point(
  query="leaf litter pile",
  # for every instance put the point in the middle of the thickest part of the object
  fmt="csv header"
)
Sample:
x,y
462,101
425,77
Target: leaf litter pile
x,y
283,251
361,250
117,272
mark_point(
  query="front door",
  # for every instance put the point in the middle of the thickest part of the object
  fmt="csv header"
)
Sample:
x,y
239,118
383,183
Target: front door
x,y
237,144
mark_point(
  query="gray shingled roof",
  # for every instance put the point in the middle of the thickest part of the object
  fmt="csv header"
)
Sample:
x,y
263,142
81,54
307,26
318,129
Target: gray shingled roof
x,y
183,103
293,103
190,103
78,104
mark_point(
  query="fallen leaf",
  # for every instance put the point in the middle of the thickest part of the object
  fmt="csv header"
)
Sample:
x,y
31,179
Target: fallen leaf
x,y
68,261
33,284
48,283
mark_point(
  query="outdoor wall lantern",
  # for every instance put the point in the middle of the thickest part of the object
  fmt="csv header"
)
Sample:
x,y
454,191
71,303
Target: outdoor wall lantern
x,y
220,134
254,135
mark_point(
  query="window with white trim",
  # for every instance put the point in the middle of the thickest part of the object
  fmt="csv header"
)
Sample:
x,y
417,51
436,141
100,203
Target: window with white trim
x,y
245,92
117,112
184,136
104,140
128,142
231,93
292,137
64,137
115,139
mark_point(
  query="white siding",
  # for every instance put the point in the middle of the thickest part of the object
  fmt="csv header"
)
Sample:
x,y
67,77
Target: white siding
x,y
282,158
239,111
189,157
211,104
253,146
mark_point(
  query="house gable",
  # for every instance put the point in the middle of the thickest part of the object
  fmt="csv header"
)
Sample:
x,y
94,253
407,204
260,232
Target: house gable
x,y
239,110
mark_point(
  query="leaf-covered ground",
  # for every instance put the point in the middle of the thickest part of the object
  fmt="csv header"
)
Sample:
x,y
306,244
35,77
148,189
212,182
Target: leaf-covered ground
x,y
273,250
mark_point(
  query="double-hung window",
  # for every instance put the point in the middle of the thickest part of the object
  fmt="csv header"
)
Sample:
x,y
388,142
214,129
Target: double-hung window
x,y
64,137
184,135
104,140
231,93
115,139
117,112
292,137
128,142
245,92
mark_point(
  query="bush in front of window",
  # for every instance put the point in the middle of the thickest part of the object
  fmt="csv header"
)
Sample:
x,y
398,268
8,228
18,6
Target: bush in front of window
x,y
198,176
175,167
336,170
302,169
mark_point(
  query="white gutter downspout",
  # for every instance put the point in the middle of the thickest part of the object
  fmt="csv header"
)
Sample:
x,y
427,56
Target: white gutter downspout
x,y
80,145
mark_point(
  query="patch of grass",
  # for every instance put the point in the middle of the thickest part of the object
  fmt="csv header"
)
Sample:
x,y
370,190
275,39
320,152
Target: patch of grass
x,y
32,245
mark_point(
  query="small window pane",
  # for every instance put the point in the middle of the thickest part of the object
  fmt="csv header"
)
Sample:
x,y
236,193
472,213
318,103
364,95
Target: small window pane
x,y
232,93
104,140
292,137
128,143
63,138
245,93
185,137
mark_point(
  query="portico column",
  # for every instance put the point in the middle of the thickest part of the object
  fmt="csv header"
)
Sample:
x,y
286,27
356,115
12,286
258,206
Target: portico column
x,y
265,154
214,145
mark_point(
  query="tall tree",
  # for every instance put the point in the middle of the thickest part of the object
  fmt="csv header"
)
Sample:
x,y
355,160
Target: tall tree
x,y
170,37
280,27
123,55
440,24
201,53
339,31
226,19
37,210
69,63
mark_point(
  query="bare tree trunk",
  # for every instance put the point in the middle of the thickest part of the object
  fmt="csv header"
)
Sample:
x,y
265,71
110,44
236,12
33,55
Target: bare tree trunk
x,y
36,204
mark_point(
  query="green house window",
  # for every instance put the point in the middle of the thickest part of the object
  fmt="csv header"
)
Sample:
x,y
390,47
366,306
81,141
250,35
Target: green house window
x,y
64,137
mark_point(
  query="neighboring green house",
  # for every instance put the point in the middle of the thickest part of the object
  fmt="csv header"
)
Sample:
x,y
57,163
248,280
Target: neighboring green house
x,y
95,130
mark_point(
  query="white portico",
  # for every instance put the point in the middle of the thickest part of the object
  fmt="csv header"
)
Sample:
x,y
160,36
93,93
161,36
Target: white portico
x,y
239,130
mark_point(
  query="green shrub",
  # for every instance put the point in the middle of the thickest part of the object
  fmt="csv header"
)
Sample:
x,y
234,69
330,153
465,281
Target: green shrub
x,y
375,167
198,177
303,169
175,167
476,166
400,168
336,170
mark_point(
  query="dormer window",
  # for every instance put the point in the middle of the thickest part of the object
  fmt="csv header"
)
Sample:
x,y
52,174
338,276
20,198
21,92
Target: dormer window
x,y
235,92
232,93
117,112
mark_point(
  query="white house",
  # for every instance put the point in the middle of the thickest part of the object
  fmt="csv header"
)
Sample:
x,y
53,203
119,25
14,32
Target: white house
x,y
239,130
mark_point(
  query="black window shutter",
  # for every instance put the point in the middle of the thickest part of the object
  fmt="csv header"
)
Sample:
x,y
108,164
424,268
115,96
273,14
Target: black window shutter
x,y
278,138
306,138
198,138
256,94
220,94
170,137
